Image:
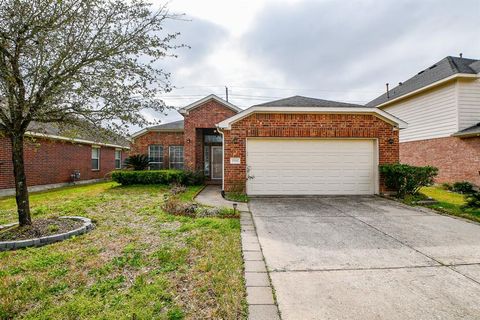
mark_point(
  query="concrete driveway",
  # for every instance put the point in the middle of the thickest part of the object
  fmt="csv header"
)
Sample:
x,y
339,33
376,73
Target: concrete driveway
x,y
368,258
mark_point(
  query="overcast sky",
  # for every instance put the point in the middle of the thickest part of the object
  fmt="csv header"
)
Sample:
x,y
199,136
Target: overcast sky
x,y
339,50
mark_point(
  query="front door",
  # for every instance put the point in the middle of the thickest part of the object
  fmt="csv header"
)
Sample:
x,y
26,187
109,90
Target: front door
x,y
217,162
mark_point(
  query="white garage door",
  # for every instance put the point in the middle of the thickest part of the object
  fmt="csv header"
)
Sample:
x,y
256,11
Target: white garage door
x,y
310,166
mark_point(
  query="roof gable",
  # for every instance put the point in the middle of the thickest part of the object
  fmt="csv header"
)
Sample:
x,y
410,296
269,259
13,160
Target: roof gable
x,y
198,103
442,70
299,104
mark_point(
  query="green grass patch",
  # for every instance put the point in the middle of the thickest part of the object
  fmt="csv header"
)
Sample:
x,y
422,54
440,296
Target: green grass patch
x,y
237,197
450,202
138,263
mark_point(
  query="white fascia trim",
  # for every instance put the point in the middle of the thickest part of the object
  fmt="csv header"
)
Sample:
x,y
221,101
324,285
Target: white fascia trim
x,y
226,124
144,131
139,133
195,104
439,82
55,137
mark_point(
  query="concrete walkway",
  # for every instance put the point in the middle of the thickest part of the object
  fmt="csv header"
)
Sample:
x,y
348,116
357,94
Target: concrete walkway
x,y
368,258
260,300
211,196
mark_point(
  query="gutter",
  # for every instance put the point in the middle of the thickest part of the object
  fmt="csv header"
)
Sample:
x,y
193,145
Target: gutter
x,y
82,141
437,83
223,161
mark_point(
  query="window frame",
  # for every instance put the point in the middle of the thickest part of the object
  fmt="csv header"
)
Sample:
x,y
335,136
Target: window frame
x,y
170,162
119,152
160,157
97,158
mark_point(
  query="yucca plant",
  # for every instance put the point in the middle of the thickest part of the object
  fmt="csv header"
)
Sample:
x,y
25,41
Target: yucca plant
x,y
137,162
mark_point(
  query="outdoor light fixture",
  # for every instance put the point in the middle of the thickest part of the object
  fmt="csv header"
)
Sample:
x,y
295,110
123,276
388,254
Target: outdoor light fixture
x,y
188,140
391,141
234,208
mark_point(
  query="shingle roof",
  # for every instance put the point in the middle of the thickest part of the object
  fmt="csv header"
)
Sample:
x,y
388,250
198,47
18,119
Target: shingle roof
x,y
444,68
299,101
171,126
86,132
471,131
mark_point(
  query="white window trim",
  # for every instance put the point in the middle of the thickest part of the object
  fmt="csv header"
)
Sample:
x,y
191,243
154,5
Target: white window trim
x,y
115,157
98,158
149,155
170,156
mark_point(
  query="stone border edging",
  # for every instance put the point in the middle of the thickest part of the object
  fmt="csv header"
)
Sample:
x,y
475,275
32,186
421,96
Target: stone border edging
x,y
260,298
37,242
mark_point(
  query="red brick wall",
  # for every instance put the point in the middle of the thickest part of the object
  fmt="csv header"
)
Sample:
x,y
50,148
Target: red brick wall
x,y
53,161
166,139
305,126
457,159
206,115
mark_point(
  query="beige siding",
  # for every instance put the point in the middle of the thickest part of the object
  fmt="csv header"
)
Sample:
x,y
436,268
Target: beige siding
x,y
431,114
468,103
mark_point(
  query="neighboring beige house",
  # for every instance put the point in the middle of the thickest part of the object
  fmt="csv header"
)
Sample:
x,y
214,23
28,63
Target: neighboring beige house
x,y
441,105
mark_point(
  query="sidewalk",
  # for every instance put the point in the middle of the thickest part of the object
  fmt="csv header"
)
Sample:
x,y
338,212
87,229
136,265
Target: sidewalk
x,y
211,196
260,300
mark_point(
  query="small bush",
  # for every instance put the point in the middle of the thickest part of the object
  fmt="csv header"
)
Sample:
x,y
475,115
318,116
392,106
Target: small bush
x,y
137,162
173,205
473,200
406,179
177,189
187,178
463,187
447,186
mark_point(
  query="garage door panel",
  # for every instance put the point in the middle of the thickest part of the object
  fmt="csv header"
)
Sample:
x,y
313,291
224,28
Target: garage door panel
x,y
313,166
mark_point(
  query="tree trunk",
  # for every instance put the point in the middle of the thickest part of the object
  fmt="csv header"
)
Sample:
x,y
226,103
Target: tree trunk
x,y
21,190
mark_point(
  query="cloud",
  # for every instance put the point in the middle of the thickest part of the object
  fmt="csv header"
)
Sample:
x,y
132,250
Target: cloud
x,y
201,37
360,45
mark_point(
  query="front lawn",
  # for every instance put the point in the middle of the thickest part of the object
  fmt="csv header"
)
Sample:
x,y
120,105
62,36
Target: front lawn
x,y
139,262
450,202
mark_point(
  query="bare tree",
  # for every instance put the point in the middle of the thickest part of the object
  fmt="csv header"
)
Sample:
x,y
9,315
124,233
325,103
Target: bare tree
x,y
77,61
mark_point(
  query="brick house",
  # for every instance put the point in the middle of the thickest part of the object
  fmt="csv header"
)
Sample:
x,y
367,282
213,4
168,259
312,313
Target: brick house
x,y
51,159
441,105
291,146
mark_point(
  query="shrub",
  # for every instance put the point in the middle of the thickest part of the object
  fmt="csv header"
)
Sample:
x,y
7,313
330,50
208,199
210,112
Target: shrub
x,y
473,200
406,179
447,186
464,187
175,206
187,178
177,189
137,162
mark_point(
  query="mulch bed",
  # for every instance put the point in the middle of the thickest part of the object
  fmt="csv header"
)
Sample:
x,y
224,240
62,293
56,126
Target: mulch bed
x,y
39,228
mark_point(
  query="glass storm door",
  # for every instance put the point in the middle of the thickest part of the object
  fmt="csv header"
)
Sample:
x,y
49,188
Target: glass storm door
x,y
217,162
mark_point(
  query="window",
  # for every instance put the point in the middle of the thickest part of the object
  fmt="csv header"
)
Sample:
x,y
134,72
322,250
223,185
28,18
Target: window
x,y
213,138
155,157
118,159
176,157
95,158
206,160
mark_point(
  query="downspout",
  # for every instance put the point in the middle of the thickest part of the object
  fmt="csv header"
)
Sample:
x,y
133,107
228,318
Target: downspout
x,y
223,161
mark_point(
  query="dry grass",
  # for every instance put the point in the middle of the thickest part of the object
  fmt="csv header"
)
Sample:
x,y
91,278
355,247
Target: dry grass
x,y
138,263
